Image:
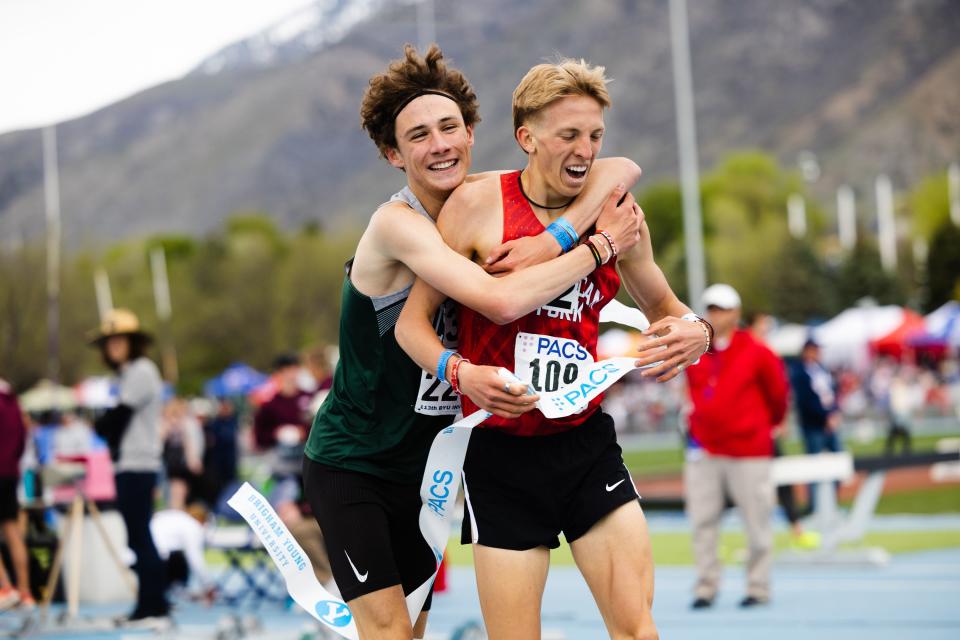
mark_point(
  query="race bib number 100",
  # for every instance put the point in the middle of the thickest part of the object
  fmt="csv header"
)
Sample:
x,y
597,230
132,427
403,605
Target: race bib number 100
x,y
549,362
564,374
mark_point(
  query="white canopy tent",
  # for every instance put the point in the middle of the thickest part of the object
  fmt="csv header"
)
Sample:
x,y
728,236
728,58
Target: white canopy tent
x,y
845,338
787,340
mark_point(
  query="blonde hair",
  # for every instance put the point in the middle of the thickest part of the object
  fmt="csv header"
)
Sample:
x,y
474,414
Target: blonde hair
x,y
548,82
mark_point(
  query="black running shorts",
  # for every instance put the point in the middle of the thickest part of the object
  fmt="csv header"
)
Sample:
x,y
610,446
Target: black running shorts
x,y
371,530
522,492
9,505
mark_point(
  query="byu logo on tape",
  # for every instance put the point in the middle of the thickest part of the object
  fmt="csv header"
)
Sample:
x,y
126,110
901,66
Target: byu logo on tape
x,y
334,613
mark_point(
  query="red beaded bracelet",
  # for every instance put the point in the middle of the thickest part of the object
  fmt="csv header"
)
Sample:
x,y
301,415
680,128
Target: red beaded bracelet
x,y
455,376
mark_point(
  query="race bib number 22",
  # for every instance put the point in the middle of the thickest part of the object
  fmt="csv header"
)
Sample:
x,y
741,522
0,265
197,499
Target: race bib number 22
x,y
435,397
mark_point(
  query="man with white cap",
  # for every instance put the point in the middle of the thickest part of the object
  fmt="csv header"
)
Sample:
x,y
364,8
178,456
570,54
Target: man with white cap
x,y
739,394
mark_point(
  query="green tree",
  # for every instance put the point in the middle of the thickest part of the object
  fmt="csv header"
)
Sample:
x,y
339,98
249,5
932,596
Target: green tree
x,y
861,275
23,347
943,266
748,246
800,288
930,205
662,205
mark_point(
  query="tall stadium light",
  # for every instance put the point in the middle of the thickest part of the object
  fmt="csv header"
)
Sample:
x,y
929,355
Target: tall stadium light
x,y
953,184
426,28
886,224
161,298
797,215
101,285
809,166
687,142
921,250
51,197
161,286
846,217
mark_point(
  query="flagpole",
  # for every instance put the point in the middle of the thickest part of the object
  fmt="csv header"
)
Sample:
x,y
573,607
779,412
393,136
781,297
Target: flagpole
x,y
101,285
687,139
51,193
161,298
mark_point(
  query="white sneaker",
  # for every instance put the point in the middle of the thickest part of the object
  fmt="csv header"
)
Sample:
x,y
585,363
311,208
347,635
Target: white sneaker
x,y
150,623
8,598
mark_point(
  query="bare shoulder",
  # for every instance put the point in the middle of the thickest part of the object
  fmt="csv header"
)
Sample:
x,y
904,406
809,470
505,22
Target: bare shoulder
x,y
393,224
469,199
394,216
485,175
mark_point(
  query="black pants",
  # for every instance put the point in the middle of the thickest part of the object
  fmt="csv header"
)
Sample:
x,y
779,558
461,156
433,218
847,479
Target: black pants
x,y
899,432
135,502
785,492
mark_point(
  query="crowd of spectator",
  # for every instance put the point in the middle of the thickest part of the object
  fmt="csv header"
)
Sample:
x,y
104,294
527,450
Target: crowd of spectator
x,y
891,395
203,445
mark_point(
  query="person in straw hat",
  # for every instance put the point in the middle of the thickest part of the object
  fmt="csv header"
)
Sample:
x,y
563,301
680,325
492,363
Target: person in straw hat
x,y
132,430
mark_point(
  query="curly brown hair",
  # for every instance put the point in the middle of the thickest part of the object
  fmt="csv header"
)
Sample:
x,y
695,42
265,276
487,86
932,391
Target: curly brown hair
x,y
405,78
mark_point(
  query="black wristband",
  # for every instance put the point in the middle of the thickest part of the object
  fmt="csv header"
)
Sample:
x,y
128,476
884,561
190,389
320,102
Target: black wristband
x,y
596,253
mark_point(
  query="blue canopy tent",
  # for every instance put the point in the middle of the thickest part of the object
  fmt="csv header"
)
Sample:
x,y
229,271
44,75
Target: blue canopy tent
x,y
236,380
944,323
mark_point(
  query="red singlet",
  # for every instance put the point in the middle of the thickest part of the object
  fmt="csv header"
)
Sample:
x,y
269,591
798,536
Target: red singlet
x,y
575,314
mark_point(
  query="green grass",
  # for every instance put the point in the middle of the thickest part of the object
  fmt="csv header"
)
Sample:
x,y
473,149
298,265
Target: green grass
x,y
643,462
673,548
939,499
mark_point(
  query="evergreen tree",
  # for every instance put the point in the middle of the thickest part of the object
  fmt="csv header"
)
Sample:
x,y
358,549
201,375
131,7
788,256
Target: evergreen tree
x,y
800,287
861,275
943,266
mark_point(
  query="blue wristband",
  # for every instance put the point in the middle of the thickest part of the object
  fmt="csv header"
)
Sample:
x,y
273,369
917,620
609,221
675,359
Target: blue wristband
x,y
442,364
566,226
562,236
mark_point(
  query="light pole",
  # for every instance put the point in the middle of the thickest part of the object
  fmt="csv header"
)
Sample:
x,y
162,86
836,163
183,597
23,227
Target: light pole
x,y
797,215
846,217
687,142
161,298
51,197
886,223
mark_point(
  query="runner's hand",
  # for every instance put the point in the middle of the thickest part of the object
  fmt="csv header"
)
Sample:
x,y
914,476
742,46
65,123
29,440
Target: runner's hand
x,y
833,421
487,389
621,219
677,342
517,254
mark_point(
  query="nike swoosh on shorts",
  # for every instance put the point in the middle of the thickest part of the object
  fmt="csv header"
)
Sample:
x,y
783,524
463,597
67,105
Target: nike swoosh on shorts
x,y
610,487
363,578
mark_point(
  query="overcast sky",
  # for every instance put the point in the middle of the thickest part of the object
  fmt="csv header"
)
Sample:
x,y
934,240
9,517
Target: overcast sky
x,y
60,59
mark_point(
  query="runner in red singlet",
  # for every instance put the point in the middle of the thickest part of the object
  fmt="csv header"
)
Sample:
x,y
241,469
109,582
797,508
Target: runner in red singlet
x,y
528,480
574,315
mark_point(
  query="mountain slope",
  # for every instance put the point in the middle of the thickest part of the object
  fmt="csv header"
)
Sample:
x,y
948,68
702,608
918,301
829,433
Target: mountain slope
x,y
867,86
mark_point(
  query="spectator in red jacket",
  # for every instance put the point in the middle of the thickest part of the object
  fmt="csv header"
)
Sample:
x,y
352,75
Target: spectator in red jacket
x,y
739,394
12,440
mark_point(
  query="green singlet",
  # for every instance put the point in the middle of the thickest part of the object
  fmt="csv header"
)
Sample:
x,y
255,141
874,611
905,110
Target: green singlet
x,y
368,422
